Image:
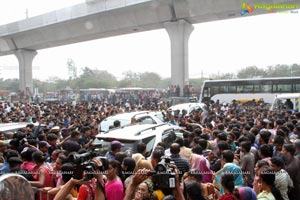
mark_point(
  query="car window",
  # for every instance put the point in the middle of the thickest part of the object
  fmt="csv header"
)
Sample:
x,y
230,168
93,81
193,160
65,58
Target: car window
x,y
161,117
146,120
107,123
149,141
195,108
103,146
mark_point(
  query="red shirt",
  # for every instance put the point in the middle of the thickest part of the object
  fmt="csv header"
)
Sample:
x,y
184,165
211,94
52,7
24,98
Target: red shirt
x,y
227,197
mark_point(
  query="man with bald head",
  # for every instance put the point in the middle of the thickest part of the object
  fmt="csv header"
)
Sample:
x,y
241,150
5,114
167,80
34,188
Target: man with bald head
x,y
182,164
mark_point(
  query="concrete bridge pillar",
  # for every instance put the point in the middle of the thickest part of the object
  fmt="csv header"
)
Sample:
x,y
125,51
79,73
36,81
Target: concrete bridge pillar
x,y
25,58
179,33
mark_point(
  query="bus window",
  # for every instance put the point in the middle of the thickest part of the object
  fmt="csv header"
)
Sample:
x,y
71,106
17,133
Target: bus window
x,y
215,90
239,89
257,88
248,89
282,88
296,88
206,92
224,89
266,88
232,89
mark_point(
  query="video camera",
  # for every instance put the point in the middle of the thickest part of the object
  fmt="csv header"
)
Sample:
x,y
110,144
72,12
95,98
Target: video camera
x,y
85,163
164,176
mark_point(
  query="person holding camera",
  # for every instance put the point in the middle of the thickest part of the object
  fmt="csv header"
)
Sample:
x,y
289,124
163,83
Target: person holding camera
x,y
92,189
182,164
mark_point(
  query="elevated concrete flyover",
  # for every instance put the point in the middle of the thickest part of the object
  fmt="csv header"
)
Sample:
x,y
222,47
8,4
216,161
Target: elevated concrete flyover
x,y
96,19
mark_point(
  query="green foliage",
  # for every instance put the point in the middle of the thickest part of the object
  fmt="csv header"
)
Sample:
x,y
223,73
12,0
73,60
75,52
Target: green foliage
x,y
149,79
146,79
9,84
251,72
94,78
224,76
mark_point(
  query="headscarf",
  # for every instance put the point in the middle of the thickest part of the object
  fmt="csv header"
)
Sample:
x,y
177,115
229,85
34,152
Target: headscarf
x,y
246,193
150,188
200,163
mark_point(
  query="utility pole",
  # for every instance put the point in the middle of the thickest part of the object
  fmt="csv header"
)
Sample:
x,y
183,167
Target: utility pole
x,y
26,13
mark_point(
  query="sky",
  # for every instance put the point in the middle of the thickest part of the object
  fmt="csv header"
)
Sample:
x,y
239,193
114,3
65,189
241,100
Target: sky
x,y
214,48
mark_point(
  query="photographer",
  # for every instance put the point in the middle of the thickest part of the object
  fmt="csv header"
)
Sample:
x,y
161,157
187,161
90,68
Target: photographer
x,y
90,189
182,163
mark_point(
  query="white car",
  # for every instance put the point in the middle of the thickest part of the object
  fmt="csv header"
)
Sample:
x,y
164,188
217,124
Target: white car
x,y
130,136
190,107
12,127
141,117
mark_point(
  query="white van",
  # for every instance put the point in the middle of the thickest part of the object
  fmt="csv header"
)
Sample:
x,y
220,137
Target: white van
x,y
284,102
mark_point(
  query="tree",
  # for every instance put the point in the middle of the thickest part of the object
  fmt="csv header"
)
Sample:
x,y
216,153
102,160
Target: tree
x,y
95,79
131,79
223,76
251,72
10,84
295,70
149,79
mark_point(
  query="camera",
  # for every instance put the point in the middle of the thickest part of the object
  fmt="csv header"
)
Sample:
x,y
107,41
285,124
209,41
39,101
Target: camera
x,y
237,151
23,141
86,164
164,176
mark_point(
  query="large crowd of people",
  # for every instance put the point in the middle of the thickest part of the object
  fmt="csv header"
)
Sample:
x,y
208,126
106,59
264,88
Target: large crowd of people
x,y
237,152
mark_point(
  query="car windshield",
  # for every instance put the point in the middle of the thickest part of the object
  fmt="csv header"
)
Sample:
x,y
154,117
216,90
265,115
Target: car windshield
x,y
130,146
108,122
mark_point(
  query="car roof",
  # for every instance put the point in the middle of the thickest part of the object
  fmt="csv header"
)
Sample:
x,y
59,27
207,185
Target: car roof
x,y
129,115
136,132
186,106
4,127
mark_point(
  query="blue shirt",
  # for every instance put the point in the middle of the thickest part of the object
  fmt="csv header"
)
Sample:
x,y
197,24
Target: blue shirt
x,y
274,152
110,155
5,168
